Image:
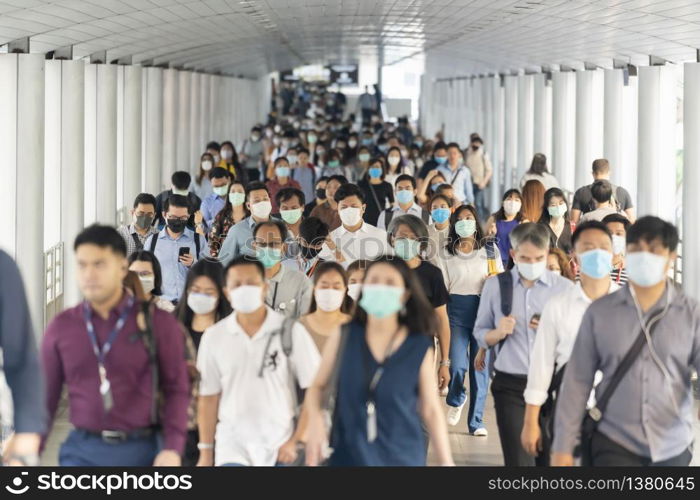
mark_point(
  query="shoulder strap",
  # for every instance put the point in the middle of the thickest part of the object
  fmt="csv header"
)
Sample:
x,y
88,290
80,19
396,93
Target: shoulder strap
x,y
286,331
137,241
331,390
388,215
425,216
154,241
376,198
197,237
505,285
454,177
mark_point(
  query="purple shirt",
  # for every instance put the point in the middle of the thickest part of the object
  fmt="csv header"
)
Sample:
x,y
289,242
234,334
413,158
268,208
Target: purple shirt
x,y
68,357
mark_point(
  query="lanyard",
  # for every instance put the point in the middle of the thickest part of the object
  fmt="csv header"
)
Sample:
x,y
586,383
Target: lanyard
x,y
274,295
100,354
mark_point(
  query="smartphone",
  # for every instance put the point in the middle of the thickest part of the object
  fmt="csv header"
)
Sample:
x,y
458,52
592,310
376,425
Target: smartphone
x,y
535,317
183,251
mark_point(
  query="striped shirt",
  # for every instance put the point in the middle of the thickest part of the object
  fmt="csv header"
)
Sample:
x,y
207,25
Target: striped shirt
x,y
127,232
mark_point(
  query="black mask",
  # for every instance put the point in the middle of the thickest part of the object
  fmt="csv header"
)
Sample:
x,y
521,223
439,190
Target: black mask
x,y
308,252
177,225
475,147
144,221
321,194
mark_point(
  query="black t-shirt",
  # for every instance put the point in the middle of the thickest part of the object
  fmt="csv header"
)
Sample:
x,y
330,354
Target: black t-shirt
x,y
196,337
564,240
433,283
383,192
583,199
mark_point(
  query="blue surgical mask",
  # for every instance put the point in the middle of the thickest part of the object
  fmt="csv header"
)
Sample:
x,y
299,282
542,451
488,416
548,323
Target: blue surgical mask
x,y
366,141
404,196
440,215
381,301
406,249
441,160
419,144
465,227
434,187
375,172
596,263
383,148
268,256
282,171
646,268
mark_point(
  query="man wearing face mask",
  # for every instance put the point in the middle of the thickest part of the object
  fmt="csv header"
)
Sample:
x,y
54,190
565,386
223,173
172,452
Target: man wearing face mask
x,y
478,162
252,154
511,329
647,417
618,225
239,239
405,203
557,330
181,186
211,205
143,214
312,234
247,404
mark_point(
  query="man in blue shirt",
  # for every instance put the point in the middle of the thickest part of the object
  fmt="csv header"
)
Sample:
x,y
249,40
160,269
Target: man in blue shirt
x,y
514,334
176,247
212,204
457,174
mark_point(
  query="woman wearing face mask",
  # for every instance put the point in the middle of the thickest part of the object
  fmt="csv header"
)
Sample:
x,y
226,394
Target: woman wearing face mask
x,y
502,222
439,229
361,164
385,373
429,186
319,198
334,166
146,265
229,160
233,212
202,304
470,260
395,165
201,185
378,193
356,274
555,218
281,179
320,159
330,305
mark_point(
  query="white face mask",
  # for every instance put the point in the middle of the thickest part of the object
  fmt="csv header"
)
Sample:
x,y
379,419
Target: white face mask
x,y
262,209
206,165
646,269
618,244
328,299
350,216
148,283
227,154
246,298
354,290
511,207
201,303
531,271
394,160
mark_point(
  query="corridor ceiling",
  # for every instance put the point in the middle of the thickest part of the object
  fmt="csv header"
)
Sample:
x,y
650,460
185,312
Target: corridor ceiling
x,y
254,37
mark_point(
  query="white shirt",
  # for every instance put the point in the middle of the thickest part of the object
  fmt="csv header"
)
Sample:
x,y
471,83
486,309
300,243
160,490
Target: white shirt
x,y
414,209
465,274
556,334
256,414
437,239
368,242
547,180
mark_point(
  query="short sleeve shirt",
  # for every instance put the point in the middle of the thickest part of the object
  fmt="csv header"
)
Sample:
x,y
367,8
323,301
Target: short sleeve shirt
x,y
583,199
433,283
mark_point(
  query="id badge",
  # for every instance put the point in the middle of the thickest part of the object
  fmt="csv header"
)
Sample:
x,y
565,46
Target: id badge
x,y
105,390
371,422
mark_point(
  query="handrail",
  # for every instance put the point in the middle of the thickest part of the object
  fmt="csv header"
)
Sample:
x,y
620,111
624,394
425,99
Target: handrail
x,y
53,282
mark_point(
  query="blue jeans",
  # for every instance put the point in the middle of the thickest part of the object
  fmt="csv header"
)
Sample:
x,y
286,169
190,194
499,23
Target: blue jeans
x,y
86,450
480,202
461,310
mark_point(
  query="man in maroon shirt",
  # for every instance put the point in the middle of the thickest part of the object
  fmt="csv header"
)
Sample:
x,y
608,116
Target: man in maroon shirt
x,y
97,350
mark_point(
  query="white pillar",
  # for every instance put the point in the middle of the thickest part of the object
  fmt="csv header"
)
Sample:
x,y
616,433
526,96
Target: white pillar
x,y
22,172
525,123
510,135
153,130
612,123
204,121
214,109
589,118
494,145
170,100
196,148
656,179
131,152
539,141
691,179
564,128
182,148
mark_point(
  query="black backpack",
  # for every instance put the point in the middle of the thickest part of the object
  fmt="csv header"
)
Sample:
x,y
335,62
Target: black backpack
x,y
154,242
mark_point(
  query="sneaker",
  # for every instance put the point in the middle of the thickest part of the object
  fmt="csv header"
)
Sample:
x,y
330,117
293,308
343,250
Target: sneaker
x,y
453,414
481,431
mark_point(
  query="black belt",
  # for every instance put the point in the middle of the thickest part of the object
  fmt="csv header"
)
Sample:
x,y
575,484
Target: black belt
x,y
109,436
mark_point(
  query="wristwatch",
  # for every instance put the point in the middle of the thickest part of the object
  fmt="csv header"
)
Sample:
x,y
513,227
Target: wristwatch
x,y
445,362
205,446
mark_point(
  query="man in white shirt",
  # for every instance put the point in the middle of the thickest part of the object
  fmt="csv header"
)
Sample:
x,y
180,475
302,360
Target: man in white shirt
x,y
354,239
247,405
405,203
559,325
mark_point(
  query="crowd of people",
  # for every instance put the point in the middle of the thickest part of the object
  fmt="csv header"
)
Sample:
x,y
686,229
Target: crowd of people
x,y
309,298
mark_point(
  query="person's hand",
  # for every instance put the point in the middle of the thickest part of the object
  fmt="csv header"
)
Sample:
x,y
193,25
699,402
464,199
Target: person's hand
x,y
167,458
330,243
491,229
561,460
443,377
206,458
531,439
22,444
287,453
480,360
534,322
198,217
506,326
316,438
431,174
186,259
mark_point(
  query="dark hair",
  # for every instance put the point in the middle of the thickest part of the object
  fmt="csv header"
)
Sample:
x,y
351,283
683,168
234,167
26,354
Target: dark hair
x,y
538,165
288,193
401,160
376,159
103,237
214,145
356,265
227,212
313,230
146,256
145,199
302,150
453,145
325,179
650,228
215,272
254,186
202,172
279,160
441,196
284,232
245,260
612,218
419,314
219,173
347,190
601,191
601,166
453,239
181,179
329,267
585,226
439,145
176,200
548,195
406,177
475,138
234,157
338,177
501,213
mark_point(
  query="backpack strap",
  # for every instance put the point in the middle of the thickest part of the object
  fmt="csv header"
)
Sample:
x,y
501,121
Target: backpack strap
x,y
197,237
425,216
505,285
388,215
154,241
286,331
137,242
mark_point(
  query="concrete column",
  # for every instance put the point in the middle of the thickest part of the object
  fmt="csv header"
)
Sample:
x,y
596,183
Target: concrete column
x,y
589,118
196,146
564,128
204,121
691,179
170,116
612,123
656,179
153,130
182,147
510,135
132,131
539,129
525,123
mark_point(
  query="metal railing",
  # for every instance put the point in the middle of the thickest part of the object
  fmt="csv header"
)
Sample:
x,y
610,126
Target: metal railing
x,y
53,282
123,216
678,265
